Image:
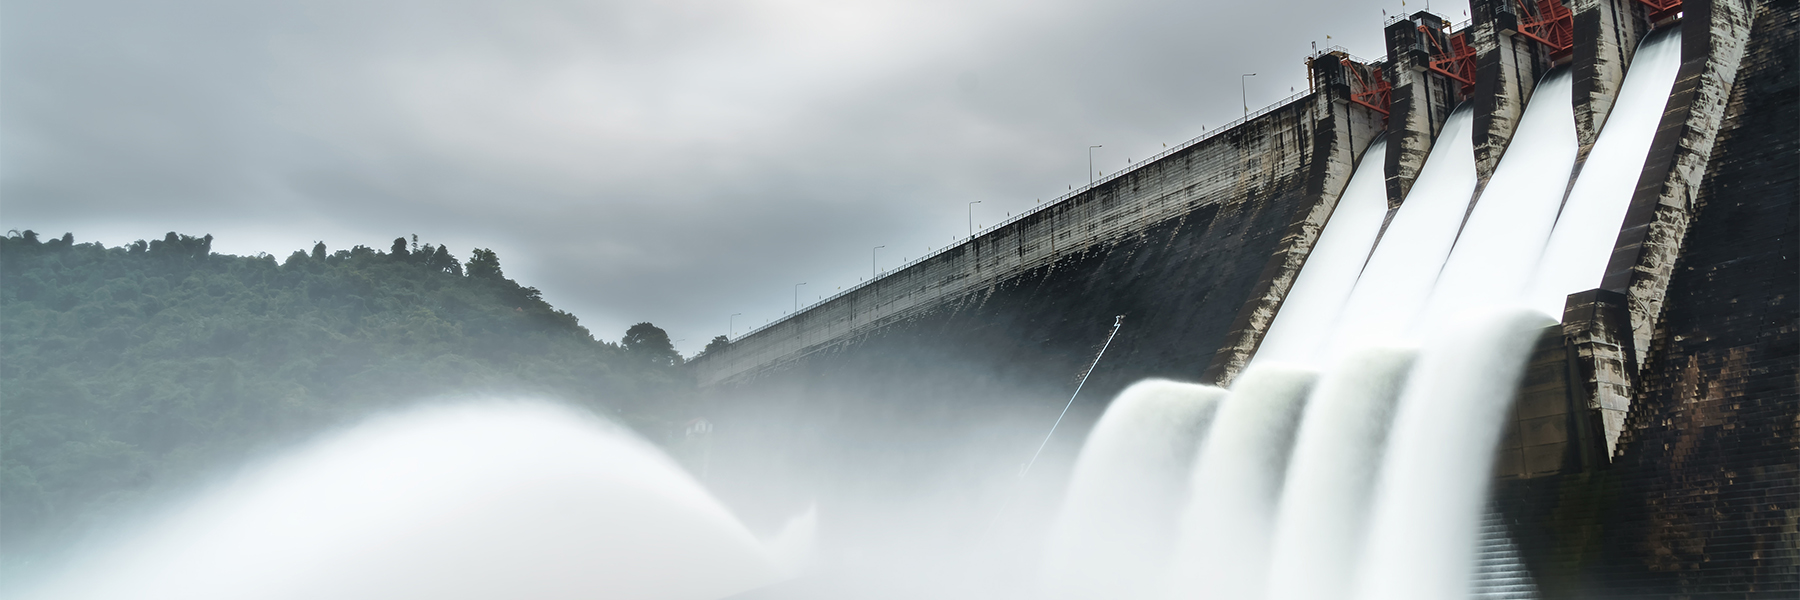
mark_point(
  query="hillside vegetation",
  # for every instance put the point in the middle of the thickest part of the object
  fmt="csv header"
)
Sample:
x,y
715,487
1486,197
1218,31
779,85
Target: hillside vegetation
x,y
125,372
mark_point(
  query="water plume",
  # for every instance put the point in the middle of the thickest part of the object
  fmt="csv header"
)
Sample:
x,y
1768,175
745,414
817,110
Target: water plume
x,y
1320,524
1223,551
1439,463
484,500
1112,538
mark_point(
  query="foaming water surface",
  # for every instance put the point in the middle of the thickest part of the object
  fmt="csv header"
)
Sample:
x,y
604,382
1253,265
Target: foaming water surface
x,y
483,500
1224,544
1112,538
1321,520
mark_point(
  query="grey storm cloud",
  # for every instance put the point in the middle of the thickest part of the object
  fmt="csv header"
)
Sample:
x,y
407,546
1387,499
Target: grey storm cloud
x,y
674,161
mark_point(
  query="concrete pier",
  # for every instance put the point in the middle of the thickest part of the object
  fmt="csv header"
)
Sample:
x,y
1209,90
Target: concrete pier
x,y
1422,102
1712,45
1507,69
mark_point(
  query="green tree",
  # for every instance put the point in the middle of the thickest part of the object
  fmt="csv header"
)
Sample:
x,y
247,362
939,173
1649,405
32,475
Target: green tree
x,y
129,373
442,261
717,343
483,264
650,344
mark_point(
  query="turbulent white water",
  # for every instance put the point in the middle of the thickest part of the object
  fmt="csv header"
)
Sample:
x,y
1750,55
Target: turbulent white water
x,y
1332,267
1383,495
1113,538
1439,461
501,500
1575,258
1324,505
1405,264
1223,551
1500,243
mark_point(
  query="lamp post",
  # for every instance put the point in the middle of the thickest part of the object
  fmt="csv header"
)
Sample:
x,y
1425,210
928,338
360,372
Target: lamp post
x,y
1244,95
972,218
873,272
797,296
1091,164
731,325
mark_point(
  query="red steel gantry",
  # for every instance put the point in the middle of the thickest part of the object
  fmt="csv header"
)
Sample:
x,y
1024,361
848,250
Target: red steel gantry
x,y
1374,91
1457,60
1661,10
1551,24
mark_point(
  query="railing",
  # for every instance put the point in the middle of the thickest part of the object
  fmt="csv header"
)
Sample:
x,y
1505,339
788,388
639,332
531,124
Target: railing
x,y
1342,51
1039,208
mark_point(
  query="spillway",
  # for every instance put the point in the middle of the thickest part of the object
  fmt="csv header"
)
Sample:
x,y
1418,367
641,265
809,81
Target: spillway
x,y
1112,537
1438,466
1320,522
1499,245
1575,257
1317,297
1224,544
1404,266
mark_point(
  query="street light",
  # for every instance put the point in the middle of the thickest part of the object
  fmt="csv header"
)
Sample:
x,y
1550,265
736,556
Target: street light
x,y
797,296
1243,95
1091,164
972,217
872,270
731,324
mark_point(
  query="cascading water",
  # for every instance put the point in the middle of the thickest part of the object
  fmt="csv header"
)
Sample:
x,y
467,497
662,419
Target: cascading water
x,y
1405,263
1385,493
1223,551
1332,267
1504,235
1575,257
503,500
1439,462
1330,481
1112,538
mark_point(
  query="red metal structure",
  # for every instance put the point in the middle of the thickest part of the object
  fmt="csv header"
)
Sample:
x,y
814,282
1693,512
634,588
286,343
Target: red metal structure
x,y
1551,24
1457,61
1374,91
1662,9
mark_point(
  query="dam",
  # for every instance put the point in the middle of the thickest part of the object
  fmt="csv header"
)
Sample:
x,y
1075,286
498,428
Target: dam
x,y
1626,166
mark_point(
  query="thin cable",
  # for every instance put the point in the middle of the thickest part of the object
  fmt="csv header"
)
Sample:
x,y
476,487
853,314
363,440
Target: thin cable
x,y
1117,322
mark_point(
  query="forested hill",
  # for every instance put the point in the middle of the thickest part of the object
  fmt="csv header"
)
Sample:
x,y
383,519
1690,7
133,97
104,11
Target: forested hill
x,y
125,372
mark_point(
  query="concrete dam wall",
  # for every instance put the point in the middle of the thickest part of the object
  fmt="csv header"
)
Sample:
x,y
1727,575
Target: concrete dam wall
x,y
1652,452
1238,196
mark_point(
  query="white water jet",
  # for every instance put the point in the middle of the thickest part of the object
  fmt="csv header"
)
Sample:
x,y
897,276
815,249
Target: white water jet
x,y
1324,507
1405,263
1112,538
1575,258
1439,463
1223,551
489,500
1505,234
1332,267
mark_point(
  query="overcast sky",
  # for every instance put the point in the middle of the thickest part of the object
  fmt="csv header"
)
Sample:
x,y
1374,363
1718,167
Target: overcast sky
x,y
671,161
